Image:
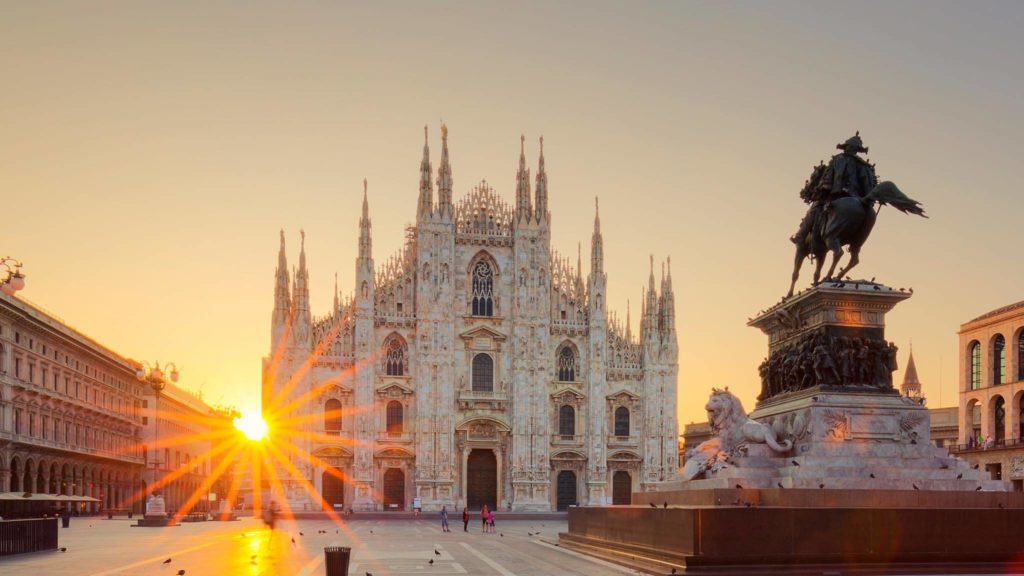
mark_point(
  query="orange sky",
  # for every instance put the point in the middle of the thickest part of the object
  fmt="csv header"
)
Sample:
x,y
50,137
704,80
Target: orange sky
x,y
149,153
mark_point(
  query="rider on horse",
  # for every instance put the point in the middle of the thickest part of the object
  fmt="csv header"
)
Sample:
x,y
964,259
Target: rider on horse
x,y
847,174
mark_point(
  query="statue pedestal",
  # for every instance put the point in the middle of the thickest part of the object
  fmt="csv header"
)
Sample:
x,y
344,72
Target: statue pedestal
x,y
156,514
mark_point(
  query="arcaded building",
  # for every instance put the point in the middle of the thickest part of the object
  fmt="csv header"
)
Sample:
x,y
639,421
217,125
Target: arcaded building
x,y
992,392
476,366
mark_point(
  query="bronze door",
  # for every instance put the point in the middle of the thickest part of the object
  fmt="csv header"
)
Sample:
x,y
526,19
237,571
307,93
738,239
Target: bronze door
x,y
566,493
482,480
333,491
394,489
622,488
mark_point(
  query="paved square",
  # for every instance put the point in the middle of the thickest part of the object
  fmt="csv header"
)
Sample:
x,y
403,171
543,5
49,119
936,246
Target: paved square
x,y
100,547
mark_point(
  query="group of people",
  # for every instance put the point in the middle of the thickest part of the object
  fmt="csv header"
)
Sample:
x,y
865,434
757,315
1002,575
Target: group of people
x,y
486,516
818,358
978,442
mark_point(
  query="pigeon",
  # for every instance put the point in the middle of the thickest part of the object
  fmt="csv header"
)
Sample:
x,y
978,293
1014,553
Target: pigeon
x,y
747,504
915,486
872,278
371,531
369,574
821,485
436,553
738,487
872,474
168,561
795,463
301,534
665,505
975,466
431,562
293,541
877,288
978,488
181,572
652,504
62,549
911,290
780,484
1000,505
502,535
959,476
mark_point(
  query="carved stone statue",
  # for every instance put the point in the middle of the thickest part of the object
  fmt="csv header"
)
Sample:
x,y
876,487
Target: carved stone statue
x,y
842,198
732,429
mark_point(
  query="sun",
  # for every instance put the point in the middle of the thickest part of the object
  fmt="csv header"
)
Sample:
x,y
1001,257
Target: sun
x,y
252,425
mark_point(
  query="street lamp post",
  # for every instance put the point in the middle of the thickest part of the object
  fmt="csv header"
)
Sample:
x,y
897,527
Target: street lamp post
x,y
11,278
154,376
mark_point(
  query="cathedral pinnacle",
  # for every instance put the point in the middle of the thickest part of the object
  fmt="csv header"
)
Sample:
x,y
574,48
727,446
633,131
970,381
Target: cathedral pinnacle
x,y
426,202
365,239
540,208
597,244
444,178
523,209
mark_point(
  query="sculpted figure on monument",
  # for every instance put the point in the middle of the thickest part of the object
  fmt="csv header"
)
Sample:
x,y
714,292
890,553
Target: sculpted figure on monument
x,y
842,197
732,430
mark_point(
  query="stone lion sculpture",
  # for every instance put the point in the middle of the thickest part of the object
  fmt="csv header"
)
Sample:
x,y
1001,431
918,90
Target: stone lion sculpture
x,y
732,429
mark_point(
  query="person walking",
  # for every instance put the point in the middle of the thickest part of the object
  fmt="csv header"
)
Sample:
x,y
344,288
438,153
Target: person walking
x,y
483,517
465,519
444,519
490,521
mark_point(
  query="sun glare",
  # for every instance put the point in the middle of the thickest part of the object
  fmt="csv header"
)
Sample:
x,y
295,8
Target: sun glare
x,y
252,425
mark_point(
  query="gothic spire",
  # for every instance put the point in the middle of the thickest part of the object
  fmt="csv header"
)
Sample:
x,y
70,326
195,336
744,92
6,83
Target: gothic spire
x,y
302,277
523,210
629,331
540,208
426,203
336,303
365,239
597,243
911,385
444,178
282,291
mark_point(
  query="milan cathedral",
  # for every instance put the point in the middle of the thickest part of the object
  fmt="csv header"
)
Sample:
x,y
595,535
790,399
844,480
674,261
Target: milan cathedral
x,y
475,366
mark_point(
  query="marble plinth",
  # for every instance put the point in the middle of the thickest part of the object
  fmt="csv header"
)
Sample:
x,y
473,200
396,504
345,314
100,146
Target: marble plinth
x,y
849,441
152,521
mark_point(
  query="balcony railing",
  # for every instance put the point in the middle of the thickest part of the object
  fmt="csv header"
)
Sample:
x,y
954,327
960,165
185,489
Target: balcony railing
x,y
623,440
567,439
995,445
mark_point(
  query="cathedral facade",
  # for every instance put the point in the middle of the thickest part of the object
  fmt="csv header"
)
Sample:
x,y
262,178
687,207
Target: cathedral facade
x,y
476,366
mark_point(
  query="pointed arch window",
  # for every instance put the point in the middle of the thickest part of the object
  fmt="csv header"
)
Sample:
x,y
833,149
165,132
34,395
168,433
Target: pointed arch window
x,y
396,357
975,368
332,416
567,420
999,360
483,373
567,364
483,289
622,421
395,417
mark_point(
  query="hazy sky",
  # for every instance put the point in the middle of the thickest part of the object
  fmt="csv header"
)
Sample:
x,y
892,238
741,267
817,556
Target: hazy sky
x,y
149,153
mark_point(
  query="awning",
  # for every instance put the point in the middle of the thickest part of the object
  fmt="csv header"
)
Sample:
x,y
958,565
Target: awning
x,y
27,497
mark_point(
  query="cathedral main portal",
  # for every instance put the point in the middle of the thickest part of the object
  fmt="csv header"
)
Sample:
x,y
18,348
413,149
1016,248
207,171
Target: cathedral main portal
x,y
482,479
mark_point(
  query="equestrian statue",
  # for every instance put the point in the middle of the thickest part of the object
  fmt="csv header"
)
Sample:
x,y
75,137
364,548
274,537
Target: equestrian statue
x,y
843,195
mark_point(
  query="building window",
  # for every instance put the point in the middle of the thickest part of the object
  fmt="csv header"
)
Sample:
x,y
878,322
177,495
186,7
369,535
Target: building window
x,y
395,417
483,289
975,368
1000,418
567,420
999,360
332,416
17,367
1020,356
17,421
483,373
622,421
568,364
396,357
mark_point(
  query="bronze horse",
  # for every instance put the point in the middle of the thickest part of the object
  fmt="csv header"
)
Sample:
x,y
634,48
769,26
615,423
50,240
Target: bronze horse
x,y
848,222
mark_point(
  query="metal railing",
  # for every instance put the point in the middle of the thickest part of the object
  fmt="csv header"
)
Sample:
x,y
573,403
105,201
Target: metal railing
x,y
981,447
31,535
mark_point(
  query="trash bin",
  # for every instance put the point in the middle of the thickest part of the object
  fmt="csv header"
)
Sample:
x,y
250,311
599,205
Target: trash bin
x,y
336,560
65,520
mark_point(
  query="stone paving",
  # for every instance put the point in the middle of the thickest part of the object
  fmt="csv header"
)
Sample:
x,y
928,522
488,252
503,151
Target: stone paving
x,y
100,547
